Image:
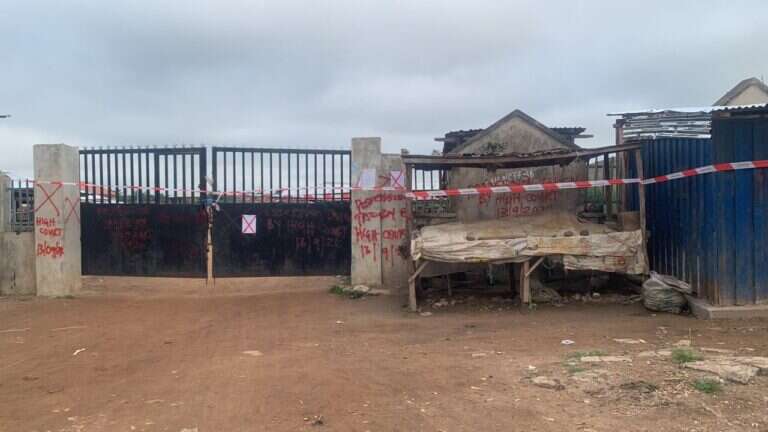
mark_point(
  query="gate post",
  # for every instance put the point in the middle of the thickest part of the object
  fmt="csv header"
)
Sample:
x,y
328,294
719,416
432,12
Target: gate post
x,y
57,219
380,245
366,230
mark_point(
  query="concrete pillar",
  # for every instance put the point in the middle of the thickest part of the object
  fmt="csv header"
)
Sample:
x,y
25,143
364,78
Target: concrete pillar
x,y
380,243
366,210
5,201
395,242
57,220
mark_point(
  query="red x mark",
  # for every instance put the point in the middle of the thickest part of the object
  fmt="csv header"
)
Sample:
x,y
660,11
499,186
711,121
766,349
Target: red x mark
x,y
72,210
48,198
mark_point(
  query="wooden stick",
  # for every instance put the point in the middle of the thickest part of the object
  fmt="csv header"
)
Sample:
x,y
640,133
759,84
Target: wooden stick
x,y
412,287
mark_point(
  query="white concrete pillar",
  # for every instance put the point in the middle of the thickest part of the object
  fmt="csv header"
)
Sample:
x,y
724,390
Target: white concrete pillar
x,y
5,183
366,225
57,220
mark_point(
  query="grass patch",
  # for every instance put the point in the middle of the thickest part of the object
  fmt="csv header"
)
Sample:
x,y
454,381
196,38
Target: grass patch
x,y
345,292
682,356
708,385
577,355
573,368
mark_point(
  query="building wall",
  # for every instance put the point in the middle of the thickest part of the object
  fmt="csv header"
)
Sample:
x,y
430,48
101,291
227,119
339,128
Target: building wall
x,y
515,136
17,251
711,230
17,263
751,95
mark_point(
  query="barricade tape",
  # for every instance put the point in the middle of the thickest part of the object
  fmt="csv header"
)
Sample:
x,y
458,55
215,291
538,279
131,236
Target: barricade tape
x,y
310,192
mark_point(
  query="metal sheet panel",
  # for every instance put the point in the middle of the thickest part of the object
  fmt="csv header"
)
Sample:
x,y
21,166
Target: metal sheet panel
x,y
290,239
678,216
143,240
760,213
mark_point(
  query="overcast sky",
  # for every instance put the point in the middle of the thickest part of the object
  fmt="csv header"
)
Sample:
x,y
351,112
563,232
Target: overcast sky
x,y
316,73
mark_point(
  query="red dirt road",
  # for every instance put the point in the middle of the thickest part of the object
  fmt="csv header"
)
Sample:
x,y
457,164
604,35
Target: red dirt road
x,y
168,355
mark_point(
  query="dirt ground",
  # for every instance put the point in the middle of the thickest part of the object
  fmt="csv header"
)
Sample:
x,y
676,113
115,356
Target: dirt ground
x,y
284,354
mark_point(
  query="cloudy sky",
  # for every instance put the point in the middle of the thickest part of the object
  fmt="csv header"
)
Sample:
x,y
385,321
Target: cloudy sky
x,y
316,73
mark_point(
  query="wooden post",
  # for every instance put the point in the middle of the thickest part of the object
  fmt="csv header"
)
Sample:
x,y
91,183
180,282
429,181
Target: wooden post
x,y
209,248
412,304
641,202
608,189
525,283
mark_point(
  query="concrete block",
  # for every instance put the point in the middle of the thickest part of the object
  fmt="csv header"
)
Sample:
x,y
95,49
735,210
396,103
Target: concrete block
x,y
703,310
17,263
57,220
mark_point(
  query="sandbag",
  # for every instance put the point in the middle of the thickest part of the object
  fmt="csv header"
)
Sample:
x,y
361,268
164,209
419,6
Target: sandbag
x,y
665,293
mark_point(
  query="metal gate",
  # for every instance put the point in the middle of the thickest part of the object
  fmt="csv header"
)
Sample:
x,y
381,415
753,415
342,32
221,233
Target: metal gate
x,y
275,211
142,211
281,212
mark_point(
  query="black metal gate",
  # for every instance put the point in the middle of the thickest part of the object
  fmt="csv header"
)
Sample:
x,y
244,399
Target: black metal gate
x,y
142,211
281,212
275,211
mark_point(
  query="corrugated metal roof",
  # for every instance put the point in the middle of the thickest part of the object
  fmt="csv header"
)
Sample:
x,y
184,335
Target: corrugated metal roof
x,y
686,122
742,107
702,109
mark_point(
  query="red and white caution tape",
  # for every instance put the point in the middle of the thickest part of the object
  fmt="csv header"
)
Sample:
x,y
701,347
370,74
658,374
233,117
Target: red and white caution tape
x,y
310,192
722,167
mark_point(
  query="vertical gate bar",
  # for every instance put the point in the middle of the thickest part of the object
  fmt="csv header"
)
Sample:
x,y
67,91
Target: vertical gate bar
x,y
147,182
214,160
225,172
166,184
184,176
342,164
333,177
423,181
125,190
325,180
157,176
432,179
289,176
202,159
85,164
193,186
133,183
261,174
141,176
175,178
315,172
271,193
101,178
253,177
242,175
306,177
109,177
280,175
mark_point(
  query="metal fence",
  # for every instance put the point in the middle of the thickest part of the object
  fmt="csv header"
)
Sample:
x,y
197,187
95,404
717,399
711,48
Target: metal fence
x,y
173,175
425,180
265,175
21,197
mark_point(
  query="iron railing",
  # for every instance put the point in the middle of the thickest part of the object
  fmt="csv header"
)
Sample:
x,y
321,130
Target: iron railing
x,y
173,175
21,205
266,175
